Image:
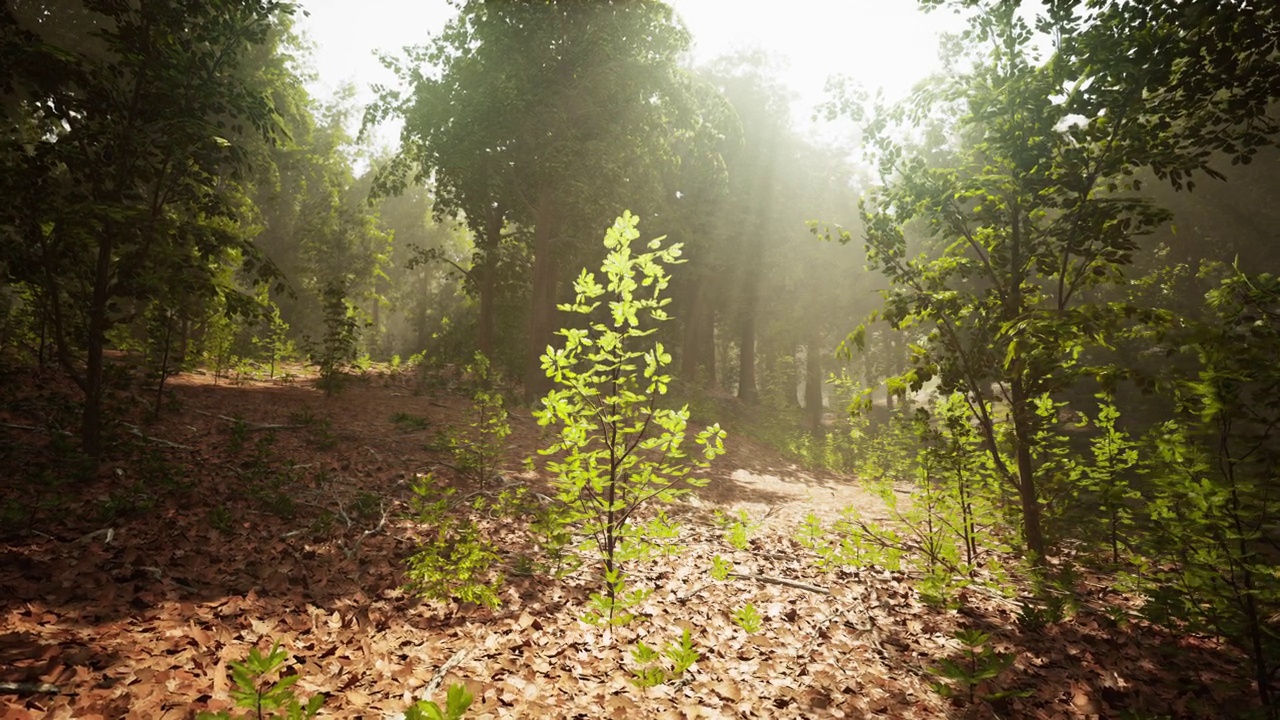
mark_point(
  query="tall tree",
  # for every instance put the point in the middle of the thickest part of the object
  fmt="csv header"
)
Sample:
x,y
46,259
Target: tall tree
x,y
550,115
1032,205
117,154
752,215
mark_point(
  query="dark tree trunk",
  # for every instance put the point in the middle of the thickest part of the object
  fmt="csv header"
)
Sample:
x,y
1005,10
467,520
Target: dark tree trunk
x,y
698,361
91,420
1029,500
542,299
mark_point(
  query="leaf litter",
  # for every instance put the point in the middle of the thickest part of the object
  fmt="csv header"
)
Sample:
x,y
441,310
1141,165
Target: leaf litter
x,y
138,612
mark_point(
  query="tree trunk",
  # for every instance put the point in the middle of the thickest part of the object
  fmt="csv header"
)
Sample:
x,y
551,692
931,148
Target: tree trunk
x,y
747,390
813,384
792,377
91,420
691,342
698,359
487,282
542,299
1033,536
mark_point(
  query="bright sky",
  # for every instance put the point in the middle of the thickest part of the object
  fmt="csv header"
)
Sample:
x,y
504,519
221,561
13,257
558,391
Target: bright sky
x,y
880,43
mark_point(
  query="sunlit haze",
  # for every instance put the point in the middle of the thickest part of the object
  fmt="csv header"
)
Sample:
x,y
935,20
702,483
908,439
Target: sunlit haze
x,y
879,43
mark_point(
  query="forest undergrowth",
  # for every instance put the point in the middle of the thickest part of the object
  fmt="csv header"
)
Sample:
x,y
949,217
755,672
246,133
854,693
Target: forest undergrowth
x,y
264,511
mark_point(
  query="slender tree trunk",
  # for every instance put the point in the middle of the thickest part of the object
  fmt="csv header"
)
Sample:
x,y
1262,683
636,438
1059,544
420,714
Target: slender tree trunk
x,y
1033,536
813,384
747,390
488,280
691,356
542,298
91,420
709,353
791,380
164,362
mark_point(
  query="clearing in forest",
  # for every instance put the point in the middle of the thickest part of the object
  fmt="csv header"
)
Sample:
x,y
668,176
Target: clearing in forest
x,y
263,511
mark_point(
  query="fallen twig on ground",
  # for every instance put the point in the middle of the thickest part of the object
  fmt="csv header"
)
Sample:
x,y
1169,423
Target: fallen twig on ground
x,y
782,581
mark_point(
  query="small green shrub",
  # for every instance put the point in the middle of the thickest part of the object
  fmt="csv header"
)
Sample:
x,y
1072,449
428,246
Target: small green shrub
x,y
480,449
648,669
260,689
455,562
720,568
456,703
265,694
979,665
408,422
616,449
737,531
748,618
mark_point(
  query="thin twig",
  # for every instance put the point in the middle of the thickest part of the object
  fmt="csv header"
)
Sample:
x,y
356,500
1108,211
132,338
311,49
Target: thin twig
x,y
451,663
783,581
252,426
28,688
159,441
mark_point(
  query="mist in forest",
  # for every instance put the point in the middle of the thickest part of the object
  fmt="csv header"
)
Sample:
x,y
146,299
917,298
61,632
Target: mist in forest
x,y
1014,261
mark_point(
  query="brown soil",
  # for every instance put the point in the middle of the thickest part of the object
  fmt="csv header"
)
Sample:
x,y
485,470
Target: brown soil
x,y
129,596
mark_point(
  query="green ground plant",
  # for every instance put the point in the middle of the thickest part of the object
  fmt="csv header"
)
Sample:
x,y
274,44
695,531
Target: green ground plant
x,y
455,562
616,450
262,689
1209,557
457,700
945,527
479,450
265,693
649,670
408,422
737,530
339,347
748,618
974,673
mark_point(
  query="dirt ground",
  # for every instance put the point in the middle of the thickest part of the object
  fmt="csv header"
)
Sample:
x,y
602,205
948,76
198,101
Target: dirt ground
x,y
264,510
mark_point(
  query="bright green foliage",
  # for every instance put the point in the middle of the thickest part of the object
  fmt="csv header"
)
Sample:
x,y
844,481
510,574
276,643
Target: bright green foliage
x,y
1213,508
720,568
748,618
455,706
1001,240
736,530
256,691
456,562
947,529
682,655
479,451
617,450
1107,482
266,699
647,668
340,344
978,666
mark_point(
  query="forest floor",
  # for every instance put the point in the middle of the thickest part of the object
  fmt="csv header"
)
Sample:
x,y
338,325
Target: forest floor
x,y
265,511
